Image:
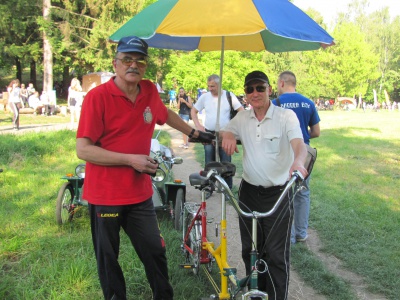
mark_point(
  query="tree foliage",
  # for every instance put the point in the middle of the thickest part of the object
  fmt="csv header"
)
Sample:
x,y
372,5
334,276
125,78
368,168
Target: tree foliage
x,y
366,55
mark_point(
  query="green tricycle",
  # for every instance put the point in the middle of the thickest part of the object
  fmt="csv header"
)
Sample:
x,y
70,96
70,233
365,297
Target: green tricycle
x,y
168,194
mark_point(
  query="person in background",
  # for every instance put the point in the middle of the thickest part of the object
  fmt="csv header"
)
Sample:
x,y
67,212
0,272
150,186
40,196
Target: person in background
x,y
209,102
184,104
48,104
172,98
35,103
15,101
75,100
273,148
307,114
24,95
30,89
114,137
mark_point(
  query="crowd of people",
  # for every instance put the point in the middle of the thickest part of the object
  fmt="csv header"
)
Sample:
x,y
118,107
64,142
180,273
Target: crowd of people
x,y
22,96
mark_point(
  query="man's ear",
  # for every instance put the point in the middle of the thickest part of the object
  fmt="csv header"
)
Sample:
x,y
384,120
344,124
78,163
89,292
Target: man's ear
x,y
269,90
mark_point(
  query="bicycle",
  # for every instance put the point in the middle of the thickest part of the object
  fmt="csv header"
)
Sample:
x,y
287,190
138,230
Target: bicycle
x,y
198,250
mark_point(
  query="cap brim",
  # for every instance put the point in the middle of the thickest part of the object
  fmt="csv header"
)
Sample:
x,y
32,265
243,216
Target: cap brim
x,y
255,79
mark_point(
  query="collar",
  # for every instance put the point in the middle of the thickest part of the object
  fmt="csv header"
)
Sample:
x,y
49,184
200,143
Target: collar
x,y
268,115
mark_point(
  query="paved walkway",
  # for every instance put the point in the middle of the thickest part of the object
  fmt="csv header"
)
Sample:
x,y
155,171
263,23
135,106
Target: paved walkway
x,y
8,129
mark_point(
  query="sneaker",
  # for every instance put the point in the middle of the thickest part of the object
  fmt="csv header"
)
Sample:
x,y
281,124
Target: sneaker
x,y
185,146
182,146
299,239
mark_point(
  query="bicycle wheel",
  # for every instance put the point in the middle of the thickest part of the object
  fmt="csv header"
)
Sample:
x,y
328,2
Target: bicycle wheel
x,y
64,203
195,239
178,210
194,243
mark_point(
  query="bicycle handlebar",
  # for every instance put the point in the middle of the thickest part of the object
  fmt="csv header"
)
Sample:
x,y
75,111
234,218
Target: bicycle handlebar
x,y
212,174
217,137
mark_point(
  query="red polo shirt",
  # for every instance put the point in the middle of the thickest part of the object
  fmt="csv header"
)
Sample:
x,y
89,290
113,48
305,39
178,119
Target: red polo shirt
x,y
113,122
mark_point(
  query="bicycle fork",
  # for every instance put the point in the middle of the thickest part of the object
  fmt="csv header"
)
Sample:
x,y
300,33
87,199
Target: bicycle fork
x,y
253,286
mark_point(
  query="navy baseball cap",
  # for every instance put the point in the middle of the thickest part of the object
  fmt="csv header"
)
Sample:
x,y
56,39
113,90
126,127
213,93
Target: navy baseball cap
x,y
256,75
132,44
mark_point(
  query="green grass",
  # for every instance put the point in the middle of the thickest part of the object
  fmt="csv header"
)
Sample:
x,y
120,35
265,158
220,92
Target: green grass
x,y
355,204
355,209
41,260
355,188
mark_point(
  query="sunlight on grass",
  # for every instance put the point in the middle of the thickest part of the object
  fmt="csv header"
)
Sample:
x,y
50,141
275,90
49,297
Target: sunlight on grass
x,y
355,190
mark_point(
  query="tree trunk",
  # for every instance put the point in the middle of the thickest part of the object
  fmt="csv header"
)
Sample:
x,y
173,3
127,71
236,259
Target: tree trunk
x,y
33,73
19,69
47,52
65,80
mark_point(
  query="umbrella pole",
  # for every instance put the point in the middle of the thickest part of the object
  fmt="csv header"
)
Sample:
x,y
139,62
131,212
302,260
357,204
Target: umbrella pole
x,y
217,129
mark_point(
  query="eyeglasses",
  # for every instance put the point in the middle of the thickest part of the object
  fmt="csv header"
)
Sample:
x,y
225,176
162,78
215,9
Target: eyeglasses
x,y
258,88
127,61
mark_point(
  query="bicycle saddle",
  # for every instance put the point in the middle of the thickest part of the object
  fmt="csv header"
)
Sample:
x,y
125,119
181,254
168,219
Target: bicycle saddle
x,y
224,169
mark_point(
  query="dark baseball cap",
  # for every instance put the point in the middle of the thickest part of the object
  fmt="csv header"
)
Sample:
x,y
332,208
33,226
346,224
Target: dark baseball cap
x,y
256,75
132,44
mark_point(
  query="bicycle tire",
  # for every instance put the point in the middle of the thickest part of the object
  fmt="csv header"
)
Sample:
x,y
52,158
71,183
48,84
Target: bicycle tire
x,y
194,243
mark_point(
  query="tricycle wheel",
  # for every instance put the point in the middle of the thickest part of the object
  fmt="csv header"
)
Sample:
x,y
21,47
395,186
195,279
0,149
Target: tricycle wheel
x,y
64,208
178,211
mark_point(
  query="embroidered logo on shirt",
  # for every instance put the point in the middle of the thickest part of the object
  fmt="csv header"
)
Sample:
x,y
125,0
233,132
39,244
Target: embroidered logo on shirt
x,y
147,115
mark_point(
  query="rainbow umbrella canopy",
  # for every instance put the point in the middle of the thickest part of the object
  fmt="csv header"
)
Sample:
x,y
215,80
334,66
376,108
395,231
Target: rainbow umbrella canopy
x,y
218,25
242,25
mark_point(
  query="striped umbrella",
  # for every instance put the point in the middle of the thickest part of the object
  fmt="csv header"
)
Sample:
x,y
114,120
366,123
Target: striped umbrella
x,y
244,25
211,25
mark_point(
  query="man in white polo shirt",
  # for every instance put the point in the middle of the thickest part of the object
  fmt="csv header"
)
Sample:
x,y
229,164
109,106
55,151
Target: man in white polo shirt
x,y
273,148
209,103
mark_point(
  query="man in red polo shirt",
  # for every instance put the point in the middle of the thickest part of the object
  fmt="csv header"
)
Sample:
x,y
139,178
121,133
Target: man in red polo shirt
x,y
114,138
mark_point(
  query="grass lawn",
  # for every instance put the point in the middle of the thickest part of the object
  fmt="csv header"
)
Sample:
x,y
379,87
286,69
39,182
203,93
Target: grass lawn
x,y
355,209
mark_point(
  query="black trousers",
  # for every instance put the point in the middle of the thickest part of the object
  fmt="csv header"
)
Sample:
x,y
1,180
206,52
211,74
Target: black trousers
x,y
273,237
139,222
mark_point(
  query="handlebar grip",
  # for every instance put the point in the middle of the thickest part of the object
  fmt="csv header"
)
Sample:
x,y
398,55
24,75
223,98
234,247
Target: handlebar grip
x,y
194,140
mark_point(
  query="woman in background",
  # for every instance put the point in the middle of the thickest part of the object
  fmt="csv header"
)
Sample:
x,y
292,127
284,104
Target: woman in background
x,y
75,100
14,101
185,105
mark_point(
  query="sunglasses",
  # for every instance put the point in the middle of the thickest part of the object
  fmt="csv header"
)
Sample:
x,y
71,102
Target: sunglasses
x,y
258,88
127,61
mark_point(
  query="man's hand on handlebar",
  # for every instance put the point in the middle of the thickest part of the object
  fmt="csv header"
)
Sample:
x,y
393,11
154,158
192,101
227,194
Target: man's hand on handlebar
x,y
300,168
144,164
202,137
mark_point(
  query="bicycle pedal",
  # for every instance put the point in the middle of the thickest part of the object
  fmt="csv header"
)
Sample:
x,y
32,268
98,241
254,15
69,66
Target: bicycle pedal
x,y
186,266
